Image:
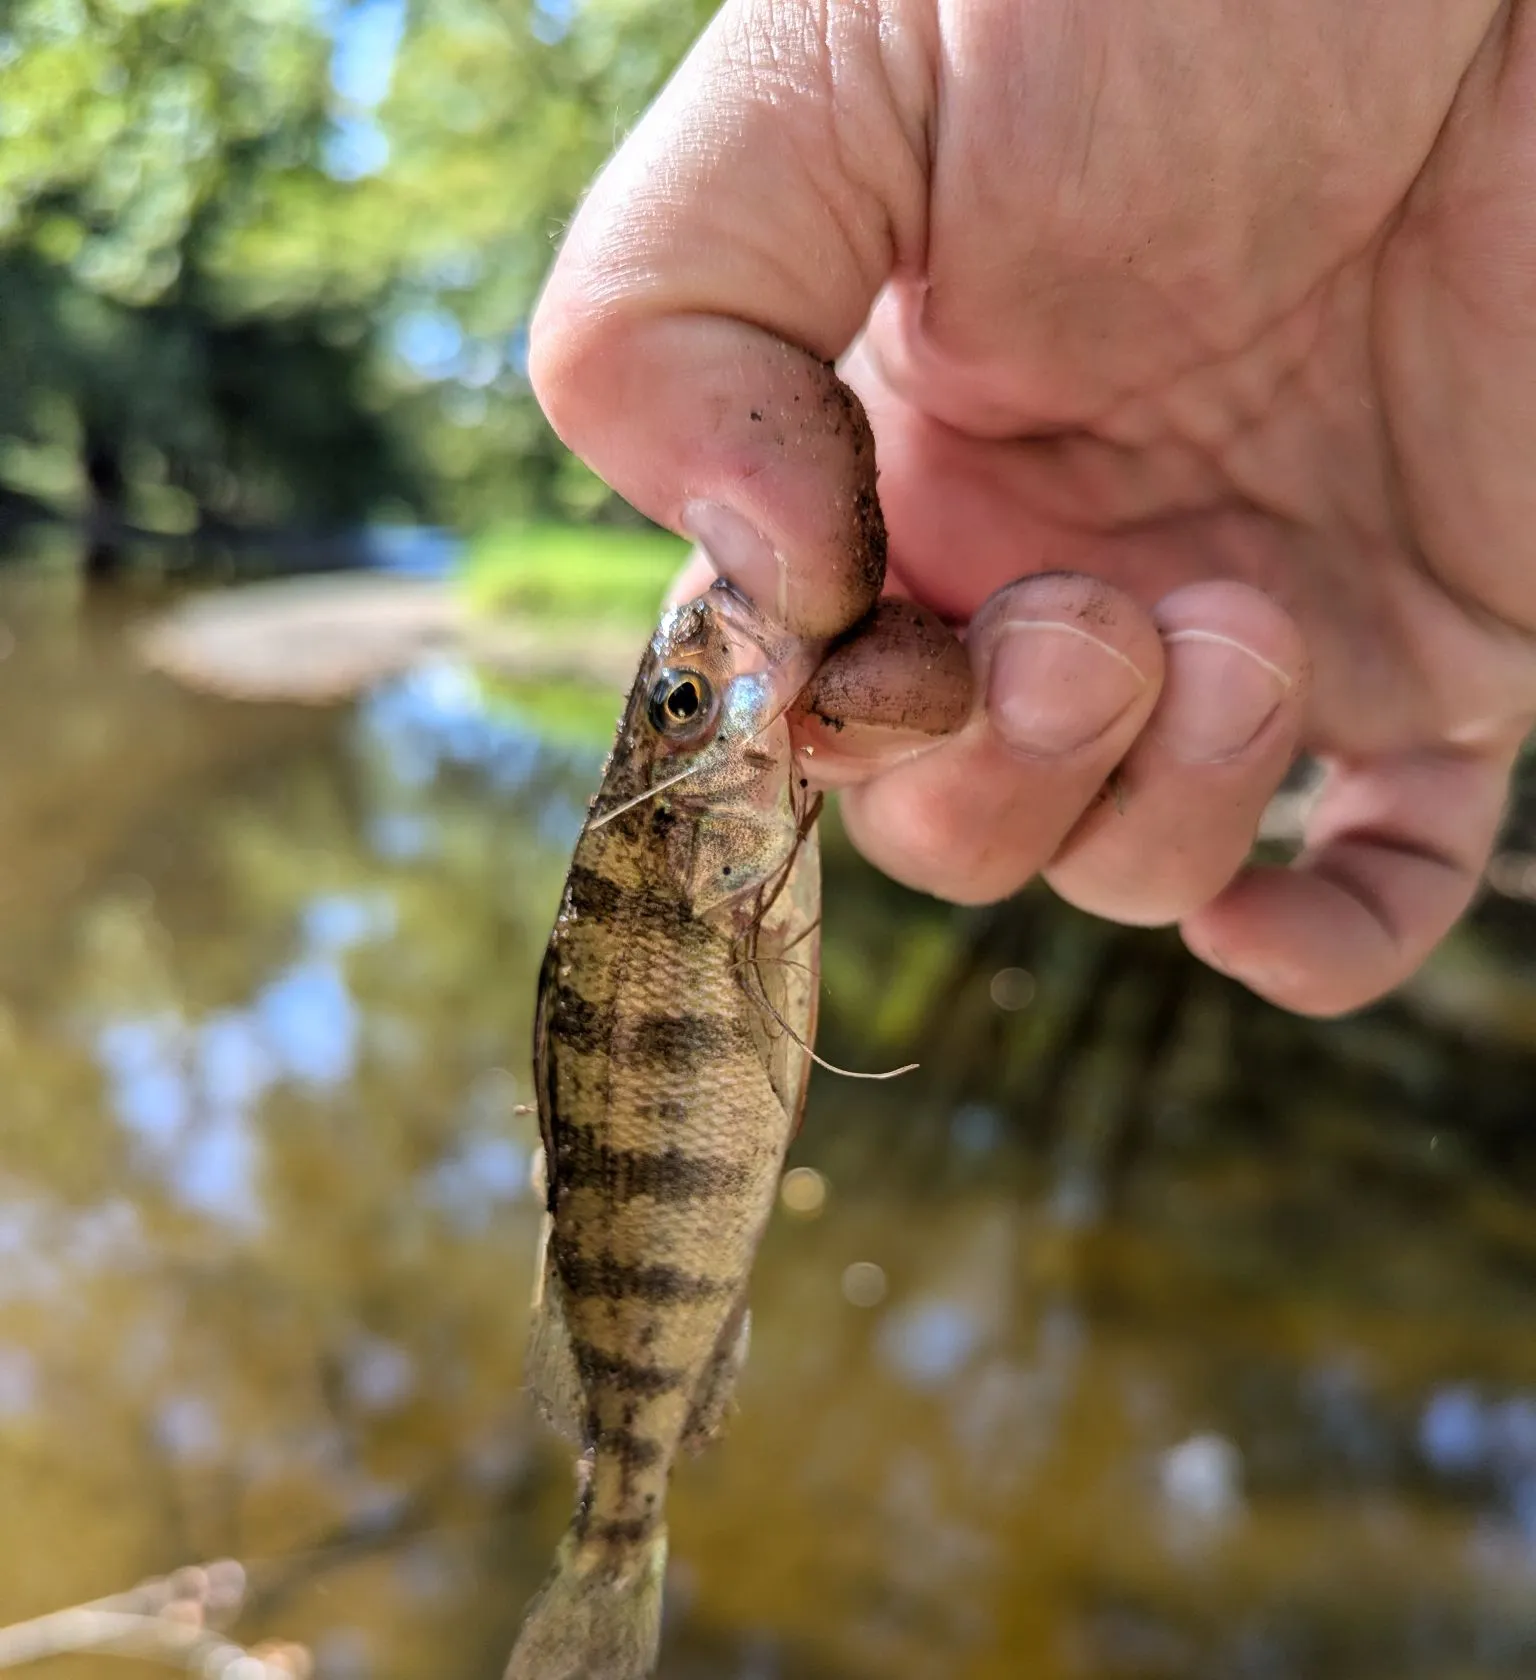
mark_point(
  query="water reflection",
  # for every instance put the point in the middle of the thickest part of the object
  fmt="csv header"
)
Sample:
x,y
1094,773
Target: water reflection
x,y
1141,1334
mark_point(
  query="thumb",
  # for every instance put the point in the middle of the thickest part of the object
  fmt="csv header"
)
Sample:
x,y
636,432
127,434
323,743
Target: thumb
x,y
728,253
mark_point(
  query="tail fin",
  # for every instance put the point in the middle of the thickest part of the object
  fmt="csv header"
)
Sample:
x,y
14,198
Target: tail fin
x,y
590,1622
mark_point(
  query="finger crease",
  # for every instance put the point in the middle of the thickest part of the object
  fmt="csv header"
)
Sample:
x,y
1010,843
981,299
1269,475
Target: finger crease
x,y
1338,873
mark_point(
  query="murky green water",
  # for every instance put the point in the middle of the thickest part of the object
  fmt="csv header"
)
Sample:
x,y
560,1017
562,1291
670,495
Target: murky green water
x,y
1142,1334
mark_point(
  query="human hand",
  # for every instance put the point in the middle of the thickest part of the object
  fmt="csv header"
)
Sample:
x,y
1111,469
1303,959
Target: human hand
x,y
1200,357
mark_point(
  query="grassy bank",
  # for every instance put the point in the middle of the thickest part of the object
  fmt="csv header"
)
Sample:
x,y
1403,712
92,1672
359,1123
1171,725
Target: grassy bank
x,y
569,574
567,577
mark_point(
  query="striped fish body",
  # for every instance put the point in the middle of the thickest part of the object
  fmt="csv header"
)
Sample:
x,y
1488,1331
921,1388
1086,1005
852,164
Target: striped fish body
x,y
676,1013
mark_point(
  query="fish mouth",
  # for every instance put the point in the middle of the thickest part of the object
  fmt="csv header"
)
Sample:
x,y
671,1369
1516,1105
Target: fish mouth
x,y
762,648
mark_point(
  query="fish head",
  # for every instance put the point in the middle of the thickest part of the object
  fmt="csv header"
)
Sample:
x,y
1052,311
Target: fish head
x,y
703,767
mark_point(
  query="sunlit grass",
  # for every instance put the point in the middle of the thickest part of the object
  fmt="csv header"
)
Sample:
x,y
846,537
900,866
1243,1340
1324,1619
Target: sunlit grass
x,y
569,714
564,572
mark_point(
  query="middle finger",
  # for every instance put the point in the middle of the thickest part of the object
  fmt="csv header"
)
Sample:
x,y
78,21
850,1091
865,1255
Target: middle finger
x,y
1067,672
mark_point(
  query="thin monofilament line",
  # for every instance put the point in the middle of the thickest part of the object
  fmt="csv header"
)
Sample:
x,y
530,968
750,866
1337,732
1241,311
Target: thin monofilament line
x,y
650,793
706,759
778,962
821,1062
804,933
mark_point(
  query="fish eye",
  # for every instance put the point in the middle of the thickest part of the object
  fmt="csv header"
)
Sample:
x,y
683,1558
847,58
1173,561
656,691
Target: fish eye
x,y
682,703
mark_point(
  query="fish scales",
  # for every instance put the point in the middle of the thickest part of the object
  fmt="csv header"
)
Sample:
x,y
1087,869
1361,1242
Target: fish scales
x,y
676,1010
676,1088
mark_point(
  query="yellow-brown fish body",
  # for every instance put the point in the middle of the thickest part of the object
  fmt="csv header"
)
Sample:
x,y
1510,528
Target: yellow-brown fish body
x,y
676,1012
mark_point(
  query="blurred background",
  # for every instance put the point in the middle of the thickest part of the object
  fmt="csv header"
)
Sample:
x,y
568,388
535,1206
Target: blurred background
x,y
267,265
1143,1334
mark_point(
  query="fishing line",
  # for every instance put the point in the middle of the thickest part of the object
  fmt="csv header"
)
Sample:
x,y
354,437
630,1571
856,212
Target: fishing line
x,y
807,820
780,962
650,793
821,1062
804,933
708,759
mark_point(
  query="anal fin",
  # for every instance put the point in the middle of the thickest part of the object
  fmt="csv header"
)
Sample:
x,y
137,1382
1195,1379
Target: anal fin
x,y
551,1367
712,1398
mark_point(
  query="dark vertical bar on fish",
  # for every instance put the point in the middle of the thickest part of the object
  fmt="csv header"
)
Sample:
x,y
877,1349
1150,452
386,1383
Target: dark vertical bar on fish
x,y
677,1008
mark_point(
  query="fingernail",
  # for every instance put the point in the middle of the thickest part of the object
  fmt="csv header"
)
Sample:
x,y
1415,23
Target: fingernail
x,y
739,552
831,761
1216,697
858,738
696,576
1054,688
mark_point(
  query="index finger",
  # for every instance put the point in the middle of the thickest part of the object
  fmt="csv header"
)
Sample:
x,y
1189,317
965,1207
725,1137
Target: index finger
x,y
727,255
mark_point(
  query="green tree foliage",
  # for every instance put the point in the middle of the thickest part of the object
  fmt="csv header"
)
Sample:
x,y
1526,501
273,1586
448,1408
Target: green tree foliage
x,y
137,138
273,260
498,115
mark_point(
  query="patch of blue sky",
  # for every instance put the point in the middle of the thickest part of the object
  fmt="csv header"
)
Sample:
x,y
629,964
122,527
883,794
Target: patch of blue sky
x,y
45,1248
213,1170
402,836
365,43
484,1175
235,1067
134,1043
144,1060
184,1096
480,364
105,1235
310,1023
519,756
343,921
450,271
929,1341
154,1103
436,715
1454,1433
28,1266
550,20
188,1429
380,1375
429,341
354,148
560,821
449,700
18,1380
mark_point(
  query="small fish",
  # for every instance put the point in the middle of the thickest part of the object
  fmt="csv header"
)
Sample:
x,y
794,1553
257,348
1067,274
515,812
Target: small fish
x,y
676,1013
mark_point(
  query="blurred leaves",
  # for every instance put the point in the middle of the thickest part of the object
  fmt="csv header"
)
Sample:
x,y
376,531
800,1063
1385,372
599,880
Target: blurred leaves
x,y
273,261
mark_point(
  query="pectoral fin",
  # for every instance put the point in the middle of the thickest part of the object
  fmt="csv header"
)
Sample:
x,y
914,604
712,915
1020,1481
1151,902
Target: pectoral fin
x,y
712,1398
551,1367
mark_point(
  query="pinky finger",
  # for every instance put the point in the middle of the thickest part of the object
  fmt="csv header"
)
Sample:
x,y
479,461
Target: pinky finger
x,y
1395,851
